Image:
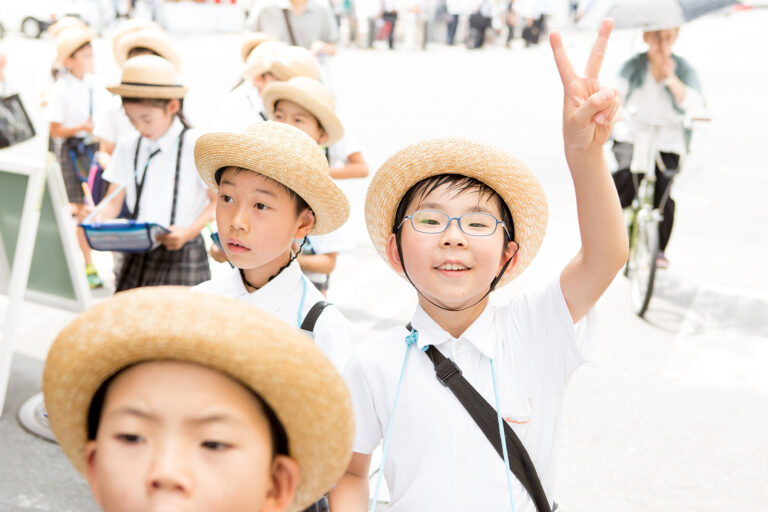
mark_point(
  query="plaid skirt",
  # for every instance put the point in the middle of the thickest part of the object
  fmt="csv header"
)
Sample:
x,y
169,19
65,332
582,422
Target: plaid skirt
x,y
186,267
69,173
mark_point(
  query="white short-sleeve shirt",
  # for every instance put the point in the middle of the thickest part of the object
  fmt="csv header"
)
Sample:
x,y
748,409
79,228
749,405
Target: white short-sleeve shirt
x,y
282,297
72,101
157,196
336,241
339,153
241,108
439,459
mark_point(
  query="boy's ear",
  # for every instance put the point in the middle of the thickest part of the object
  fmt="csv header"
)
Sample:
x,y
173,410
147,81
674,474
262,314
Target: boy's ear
x,y
393,255
323,137
90,461
173,107
285,474
306,222
511,251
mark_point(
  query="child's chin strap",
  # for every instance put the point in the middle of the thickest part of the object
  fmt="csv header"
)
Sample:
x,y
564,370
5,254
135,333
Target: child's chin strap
x,y
290,260
490,288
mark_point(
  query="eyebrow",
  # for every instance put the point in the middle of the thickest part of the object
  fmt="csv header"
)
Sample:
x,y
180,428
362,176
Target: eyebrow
x,y
262,190
435,206
217,417
133,411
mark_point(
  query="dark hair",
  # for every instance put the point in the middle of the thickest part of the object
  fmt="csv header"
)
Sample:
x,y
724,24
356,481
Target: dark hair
x,y
301,204
161,103
459,184
140,50
276,429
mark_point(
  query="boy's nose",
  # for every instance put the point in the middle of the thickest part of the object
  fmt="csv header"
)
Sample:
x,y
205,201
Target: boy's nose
x,y
239,220
168,471
453,235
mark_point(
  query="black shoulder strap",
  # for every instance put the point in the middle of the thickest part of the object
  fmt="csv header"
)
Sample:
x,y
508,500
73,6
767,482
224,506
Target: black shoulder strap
x,y
287,17
484,415
314,313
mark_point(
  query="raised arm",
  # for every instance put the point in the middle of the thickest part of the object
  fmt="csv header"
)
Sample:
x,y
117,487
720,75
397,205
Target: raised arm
x,y
588,114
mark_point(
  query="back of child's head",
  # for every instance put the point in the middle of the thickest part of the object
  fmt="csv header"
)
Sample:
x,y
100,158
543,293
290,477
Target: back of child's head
x,y
132,354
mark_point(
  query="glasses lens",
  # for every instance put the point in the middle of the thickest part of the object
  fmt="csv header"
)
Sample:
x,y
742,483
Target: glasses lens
x,y
429,221
478,224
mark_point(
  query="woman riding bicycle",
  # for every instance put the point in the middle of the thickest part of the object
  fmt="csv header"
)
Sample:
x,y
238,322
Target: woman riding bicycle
x,y
660,87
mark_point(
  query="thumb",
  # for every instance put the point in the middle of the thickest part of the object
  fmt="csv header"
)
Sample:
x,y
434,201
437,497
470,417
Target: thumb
x,y
599,101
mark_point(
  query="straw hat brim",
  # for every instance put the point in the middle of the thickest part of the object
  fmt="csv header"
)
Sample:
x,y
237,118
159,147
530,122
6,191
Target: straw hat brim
x,y
279,160
252,41
160,92
330,122
138,39
65,50
65,23
277,361
509,177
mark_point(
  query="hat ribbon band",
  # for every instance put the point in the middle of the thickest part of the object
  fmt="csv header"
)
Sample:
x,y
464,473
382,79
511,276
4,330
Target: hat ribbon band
x,y
143,84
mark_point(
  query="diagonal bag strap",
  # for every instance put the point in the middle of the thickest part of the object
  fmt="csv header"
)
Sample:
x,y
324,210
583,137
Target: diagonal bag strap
x,y
314,313
484,415
287,17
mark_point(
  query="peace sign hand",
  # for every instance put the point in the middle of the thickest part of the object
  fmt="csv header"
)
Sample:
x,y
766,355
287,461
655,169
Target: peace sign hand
x,y
588,108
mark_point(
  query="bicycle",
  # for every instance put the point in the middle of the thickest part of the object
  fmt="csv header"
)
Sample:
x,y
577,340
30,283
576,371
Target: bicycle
x,y
643,218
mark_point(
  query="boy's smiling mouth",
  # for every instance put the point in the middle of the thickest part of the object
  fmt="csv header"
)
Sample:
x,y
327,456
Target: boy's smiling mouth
x,y
452,267
236,246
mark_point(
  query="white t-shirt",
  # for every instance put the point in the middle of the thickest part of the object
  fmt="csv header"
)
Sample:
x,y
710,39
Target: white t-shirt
x,y
157,196
339,153
72,101
112,124
282,297
239,109
439,459
652,101
336,241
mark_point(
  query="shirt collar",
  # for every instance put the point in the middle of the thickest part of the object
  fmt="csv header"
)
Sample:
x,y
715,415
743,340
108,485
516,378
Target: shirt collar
x,y
273,294
480,334
168,141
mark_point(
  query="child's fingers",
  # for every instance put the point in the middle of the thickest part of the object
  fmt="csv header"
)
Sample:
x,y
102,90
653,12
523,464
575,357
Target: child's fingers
x,y
562,61
612,111
595,61
595,104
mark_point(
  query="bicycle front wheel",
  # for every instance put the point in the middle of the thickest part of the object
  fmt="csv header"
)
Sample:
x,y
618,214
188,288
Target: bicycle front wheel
x,y
642,264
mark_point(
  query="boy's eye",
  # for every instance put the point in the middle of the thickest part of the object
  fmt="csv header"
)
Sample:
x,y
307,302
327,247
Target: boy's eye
x,y
226,198
129,438
216,446
429,222
261,206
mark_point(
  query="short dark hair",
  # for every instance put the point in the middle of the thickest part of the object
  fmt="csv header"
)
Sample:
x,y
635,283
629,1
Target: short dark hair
x,y
459,184
276,429
160,103
140,50
301,204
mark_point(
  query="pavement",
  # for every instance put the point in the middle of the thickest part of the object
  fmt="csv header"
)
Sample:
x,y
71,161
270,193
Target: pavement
x,y
673,414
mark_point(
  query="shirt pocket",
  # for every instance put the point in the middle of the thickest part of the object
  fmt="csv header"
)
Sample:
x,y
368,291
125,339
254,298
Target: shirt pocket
x,y
518,416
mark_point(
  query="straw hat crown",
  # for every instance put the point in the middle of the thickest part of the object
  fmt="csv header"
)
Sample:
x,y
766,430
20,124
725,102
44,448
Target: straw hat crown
x,y
69,40
252,41
129,26
260,60
284,154
148,76
64,23
256,349
151,39
517,186
310,95
292,61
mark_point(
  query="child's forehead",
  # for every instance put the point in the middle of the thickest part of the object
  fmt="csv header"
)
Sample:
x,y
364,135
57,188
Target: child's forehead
x,y
291,106
454,195
241,176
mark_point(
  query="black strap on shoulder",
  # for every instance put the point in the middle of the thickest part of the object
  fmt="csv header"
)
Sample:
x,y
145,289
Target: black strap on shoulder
x,y
287,17
484,415
314,313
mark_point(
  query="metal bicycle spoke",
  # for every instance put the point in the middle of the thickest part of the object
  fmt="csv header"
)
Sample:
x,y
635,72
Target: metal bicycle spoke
x,y
642,272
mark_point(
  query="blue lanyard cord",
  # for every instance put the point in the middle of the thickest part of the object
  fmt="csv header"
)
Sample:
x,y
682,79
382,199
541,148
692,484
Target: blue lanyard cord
x,y
299,313
410,340
503,438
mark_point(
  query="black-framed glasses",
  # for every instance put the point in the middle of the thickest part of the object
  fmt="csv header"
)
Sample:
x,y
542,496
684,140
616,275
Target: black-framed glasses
x,y
434,222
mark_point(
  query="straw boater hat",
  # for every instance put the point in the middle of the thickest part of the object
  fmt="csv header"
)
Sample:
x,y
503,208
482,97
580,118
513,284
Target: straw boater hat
x,y
69,40
258,350
260,59
64,23
148,76
292,61
129,26
151,39
310,95
252,40
283,153
505,174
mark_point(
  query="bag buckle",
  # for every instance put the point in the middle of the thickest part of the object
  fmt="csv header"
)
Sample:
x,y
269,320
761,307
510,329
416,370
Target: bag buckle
x,y
445,370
